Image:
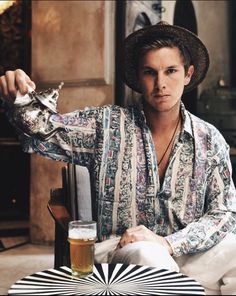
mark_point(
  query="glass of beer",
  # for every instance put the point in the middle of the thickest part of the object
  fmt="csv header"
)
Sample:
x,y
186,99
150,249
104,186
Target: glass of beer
x,y
82,236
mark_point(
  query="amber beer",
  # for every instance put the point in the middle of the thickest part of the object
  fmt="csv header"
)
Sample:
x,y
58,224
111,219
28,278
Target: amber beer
x,y
82,237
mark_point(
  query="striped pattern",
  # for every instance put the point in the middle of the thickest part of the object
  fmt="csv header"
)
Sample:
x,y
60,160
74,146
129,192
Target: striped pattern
x,y
108,279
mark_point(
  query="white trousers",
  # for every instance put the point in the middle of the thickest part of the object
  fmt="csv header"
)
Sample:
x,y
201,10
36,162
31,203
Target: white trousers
x,y
214,269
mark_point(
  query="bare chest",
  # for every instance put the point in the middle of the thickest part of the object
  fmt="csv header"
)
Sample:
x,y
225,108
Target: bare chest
x,y
163,153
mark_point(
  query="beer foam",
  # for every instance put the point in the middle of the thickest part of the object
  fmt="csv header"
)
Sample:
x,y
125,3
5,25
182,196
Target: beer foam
x,y
82,233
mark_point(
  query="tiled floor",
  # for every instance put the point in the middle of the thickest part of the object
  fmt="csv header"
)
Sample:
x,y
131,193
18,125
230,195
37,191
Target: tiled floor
x,y
18,262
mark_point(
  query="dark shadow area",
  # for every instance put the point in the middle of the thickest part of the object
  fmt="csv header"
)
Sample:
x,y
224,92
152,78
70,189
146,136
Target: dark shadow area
x,y
184,16
232,32
15,52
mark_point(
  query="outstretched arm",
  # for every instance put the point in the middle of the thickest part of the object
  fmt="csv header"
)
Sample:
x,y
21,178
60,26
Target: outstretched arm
x,y
41,129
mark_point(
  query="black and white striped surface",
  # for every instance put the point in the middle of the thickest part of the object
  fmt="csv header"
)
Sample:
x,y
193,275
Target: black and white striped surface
x,y
108,279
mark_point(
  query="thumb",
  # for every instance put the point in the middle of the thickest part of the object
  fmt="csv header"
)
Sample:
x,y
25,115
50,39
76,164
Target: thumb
x,y
31,85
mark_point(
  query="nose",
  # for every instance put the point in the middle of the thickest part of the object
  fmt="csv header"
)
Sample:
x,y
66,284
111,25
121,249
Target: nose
x,y
160,82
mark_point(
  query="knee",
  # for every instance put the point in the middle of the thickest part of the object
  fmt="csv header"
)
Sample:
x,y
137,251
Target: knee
x,y
228,283
227,247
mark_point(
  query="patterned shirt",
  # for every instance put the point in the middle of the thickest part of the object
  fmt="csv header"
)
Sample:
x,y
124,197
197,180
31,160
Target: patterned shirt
x,y
195,206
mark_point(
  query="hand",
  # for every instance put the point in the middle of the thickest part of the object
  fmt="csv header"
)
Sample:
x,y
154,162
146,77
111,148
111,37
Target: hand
x,y
142,233
13,81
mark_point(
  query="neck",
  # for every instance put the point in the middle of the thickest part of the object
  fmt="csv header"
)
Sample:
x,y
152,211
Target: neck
x,y
162,121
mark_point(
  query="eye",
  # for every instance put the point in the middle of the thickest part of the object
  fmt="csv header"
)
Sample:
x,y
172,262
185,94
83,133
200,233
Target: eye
x,y
150,72
171,71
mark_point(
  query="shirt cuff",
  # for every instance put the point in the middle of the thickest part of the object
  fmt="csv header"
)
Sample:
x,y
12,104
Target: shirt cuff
x,y
178,243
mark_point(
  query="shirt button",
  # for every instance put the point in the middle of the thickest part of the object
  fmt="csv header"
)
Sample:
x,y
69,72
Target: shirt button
x,y
164,195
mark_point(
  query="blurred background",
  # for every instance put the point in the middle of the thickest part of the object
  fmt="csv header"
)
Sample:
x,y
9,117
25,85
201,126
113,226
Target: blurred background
x,y
79,42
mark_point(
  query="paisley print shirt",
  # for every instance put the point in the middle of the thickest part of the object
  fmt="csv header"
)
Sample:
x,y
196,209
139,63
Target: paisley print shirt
x,y
195,206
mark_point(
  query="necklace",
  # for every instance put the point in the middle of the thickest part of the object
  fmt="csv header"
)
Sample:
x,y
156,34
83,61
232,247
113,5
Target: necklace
x,y
169,142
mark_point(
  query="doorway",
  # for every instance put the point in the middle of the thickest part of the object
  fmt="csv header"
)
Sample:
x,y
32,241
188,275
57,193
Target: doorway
x,y
131,16
184,16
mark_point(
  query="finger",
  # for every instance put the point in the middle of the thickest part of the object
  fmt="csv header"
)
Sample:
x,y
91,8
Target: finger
x,y
23,81
139,233
122,242
3,84
4,90
31,84
131,233
136,228
10,83
126,239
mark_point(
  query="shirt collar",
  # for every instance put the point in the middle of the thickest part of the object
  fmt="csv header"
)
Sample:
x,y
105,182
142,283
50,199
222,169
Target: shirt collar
x,y
187,125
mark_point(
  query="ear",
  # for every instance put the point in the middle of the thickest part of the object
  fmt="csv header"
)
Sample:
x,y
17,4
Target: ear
x,y
189,75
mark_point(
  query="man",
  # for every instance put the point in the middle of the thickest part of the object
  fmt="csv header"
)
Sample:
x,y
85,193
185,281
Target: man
x,y
162,177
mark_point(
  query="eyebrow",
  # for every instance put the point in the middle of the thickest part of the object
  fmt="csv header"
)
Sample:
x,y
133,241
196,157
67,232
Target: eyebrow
x,y
173,66
169,67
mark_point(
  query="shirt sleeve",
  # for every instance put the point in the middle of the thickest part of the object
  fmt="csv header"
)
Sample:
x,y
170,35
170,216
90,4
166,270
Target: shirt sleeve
x,y
220,210
66,137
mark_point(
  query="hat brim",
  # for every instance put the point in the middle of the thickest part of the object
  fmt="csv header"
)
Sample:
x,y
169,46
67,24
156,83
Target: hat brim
x,y
198,52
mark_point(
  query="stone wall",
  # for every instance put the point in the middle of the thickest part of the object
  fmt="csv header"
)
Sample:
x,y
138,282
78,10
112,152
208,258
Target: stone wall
x,y
72,41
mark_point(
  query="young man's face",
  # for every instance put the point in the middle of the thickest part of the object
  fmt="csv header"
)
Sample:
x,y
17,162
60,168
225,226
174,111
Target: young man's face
x,y
162,78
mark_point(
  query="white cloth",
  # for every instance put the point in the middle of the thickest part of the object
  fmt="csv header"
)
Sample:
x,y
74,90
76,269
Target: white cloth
x,y
144,253
214,269
104,249
135,253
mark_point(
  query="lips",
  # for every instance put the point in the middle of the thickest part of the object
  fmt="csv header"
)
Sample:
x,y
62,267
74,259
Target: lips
x,y
161,96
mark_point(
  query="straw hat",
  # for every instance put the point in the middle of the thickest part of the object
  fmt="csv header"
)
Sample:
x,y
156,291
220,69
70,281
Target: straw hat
x,y
198,52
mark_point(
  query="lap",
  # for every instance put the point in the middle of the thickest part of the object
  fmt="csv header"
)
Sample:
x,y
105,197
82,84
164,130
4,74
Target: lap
x,y
214,269
103,249
139,253
218,259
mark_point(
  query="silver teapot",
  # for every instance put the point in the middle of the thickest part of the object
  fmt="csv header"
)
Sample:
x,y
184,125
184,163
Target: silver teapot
x,y
31,112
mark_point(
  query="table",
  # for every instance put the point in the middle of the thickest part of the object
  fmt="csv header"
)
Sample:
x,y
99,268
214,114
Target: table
x,y
108,279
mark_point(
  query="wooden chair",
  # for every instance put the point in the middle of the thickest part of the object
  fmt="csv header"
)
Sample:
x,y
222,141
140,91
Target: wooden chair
x,y
71,202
